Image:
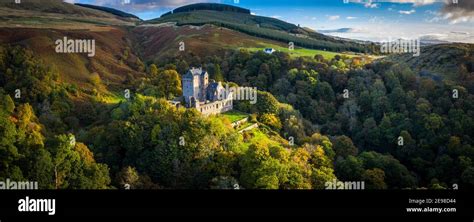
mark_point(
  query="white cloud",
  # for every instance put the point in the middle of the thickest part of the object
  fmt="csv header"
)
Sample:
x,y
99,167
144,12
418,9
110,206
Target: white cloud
x,y
460,32
341,30
334,17
350,17
415,2
407,12
371,5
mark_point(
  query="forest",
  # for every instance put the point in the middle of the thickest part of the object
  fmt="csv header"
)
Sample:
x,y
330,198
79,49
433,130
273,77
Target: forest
x,y
320,119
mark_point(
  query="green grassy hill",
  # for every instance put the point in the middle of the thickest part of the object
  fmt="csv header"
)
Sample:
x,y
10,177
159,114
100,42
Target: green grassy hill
x,y
264,27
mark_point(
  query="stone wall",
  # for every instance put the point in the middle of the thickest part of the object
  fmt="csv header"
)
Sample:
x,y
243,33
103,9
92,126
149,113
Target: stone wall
x,y
215,107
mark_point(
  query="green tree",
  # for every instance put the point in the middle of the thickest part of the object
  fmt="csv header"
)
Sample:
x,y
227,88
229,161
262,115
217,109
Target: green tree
x,y
270,120
218,73
128,178
374,178
170,82
153,70
349,169
344,147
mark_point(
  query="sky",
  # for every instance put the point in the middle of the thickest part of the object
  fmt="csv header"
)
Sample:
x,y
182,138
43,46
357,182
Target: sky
x,y
373,20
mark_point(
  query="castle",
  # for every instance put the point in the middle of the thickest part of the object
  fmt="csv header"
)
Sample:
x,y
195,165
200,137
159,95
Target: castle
x,y
205,95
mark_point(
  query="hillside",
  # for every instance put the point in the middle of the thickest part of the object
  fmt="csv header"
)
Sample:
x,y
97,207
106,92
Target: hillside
x,y
110,10
209,6
442,61
259,26
57,14
37,25
112,63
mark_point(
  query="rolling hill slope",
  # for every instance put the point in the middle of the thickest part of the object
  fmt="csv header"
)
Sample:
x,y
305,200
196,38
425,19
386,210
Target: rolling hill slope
x,y
258,26
37,25
110,10
57,14
443,61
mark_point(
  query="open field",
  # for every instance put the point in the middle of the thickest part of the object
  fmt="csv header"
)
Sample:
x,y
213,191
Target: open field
x,y
298,52
235,115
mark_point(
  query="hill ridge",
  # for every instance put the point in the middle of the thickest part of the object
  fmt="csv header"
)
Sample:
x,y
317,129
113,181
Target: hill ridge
x,y
208,6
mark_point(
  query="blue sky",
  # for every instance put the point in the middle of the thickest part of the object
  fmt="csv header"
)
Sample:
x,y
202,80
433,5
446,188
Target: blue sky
x,y
375,20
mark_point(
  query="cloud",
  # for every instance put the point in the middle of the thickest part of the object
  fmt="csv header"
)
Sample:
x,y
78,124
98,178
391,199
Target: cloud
x,y
407,12
460,33
370,5
350,17
463,11
434,38
414,2
334,17
341,30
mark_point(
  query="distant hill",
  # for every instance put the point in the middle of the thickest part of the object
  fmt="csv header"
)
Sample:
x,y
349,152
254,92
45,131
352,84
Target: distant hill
x,y
161,42
109,10
442,61
58,14
51,6
209,6
270,28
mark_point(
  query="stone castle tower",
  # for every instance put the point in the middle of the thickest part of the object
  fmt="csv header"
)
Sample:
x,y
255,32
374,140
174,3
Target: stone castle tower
x,y
195,83
204,95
